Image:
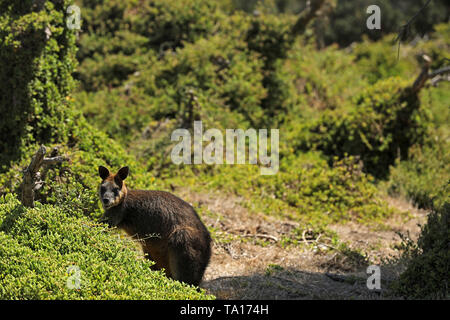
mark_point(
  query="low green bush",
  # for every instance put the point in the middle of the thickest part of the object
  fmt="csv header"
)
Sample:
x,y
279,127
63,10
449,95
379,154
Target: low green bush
x,y
424,174
385,121
305,189
428,261
39,245
421,178
37,54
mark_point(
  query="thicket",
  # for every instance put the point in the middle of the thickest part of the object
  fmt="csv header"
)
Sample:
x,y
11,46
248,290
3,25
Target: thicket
x,y
428,260
40,248
37,54
146,68
384,122
344,21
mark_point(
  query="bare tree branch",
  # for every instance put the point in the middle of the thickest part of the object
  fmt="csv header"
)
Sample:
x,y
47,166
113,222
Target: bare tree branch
x,y
439,71
32,177
307,15
53,160
29,176
425,74
434,81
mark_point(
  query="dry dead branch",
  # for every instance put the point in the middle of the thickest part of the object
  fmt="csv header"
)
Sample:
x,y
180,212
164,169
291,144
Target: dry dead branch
x,y
32,178
425,74
311,12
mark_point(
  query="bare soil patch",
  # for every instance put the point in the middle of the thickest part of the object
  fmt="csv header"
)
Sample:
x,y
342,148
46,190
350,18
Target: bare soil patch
x,y
250,262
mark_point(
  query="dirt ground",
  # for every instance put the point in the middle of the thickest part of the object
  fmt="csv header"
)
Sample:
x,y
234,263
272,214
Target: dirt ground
x,y
250,261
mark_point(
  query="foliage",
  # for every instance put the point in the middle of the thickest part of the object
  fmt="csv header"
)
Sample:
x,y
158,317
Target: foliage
x,y
423,176
426,275
384,122
136,29
305,189
47,115
37,54
39,245
147,68
346,23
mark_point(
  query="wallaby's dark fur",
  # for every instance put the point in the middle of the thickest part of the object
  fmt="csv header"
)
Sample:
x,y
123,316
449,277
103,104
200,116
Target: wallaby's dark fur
x,y
172,233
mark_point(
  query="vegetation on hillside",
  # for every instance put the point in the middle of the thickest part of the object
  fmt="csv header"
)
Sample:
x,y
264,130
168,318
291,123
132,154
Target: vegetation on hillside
x,y
352,129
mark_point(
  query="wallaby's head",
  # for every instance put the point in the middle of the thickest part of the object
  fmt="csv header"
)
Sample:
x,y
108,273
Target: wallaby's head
x,y
112,189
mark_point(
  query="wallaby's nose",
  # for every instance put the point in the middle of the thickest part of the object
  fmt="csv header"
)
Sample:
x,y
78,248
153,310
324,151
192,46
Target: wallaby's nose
x,y
106,201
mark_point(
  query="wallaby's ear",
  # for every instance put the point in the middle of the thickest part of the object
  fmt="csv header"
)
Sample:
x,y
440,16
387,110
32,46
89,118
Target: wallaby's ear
x,y
123,173
103,172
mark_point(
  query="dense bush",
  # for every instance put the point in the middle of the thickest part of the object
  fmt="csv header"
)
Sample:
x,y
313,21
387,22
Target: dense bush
x,y
428,261
112,51
39,245
384,122
422,178
305,189
37,57
394,14
346,22
147,68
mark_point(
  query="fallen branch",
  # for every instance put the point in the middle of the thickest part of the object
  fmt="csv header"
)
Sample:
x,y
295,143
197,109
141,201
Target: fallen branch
x,y
32,177
259,235
350,279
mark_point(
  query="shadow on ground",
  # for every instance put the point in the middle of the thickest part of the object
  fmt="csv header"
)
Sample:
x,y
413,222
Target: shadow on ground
x,y
292,284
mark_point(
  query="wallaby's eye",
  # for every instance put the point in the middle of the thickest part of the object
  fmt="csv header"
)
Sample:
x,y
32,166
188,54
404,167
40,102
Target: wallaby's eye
x,y
116,191
102,189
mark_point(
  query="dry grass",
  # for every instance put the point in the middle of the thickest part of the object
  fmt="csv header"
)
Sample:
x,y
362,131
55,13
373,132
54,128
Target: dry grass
x,y
250,262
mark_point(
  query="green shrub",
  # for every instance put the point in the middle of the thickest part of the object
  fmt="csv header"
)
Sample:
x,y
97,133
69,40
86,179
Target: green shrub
x,y
216,79
385,121
345,24
305,189
112,51
39,245
422,176
37,54
270,35
325,79
428,267
377,60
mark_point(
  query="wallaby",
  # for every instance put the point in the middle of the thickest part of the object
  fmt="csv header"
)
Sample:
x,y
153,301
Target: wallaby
x,y
171,232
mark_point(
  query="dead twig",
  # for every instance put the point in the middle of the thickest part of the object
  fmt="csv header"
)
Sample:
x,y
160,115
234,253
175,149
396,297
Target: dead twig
x,y
425,74
350,279
258,235
312,11
32,178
